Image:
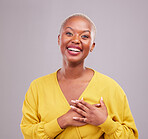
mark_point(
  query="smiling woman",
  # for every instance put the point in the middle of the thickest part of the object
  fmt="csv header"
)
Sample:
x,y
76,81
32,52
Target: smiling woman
x,y
76,101
76,38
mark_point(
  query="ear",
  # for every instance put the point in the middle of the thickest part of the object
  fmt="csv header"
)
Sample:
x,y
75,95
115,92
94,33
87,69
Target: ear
x,y
59,39
92,47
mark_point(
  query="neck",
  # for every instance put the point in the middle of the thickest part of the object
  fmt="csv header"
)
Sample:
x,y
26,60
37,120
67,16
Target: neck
x,y
72,71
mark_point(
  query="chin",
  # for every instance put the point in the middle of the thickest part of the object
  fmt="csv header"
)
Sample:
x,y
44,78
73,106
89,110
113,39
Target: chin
x,y
75,61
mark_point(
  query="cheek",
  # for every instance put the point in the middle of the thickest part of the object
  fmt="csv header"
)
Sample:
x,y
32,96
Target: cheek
x,y
87,44
63,44
64,39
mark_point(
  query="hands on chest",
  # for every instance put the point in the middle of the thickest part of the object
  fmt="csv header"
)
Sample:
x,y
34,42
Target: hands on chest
x,y
82,113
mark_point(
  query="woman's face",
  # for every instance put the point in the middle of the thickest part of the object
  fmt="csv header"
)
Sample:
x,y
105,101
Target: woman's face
x,y
76,39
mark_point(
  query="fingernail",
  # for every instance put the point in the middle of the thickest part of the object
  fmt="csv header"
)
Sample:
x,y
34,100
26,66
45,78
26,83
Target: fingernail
x,y
72,106
73,101
102,98
82,98
98,104
77,100
75,118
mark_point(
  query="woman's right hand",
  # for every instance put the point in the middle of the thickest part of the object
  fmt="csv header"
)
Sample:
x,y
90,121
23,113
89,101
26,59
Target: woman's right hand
x,y
67,119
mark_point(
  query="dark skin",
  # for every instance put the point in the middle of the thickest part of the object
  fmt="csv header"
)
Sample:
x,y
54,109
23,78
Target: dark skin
x,y
73,77
67,85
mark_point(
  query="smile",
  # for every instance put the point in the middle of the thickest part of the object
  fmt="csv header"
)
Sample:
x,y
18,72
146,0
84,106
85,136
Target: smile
x,y
73,49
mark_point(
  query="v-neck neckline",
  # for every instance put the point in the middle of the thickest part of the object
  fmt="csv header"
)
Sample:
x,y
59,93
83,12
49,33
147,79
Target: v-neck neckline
x,y
82,94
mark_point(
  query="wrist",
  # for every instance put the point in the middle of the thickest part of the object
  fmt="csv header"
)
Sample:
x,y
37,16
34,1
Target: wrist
x,y
62,122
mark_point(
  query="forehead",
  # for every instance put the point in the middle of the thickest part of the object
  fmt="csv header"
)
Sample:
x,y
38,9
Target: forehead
x,y
78,23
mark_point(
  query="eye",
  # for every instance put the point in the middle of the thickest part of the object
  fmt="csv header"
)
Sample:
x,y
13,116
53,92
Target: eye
x,y
69,34
84,36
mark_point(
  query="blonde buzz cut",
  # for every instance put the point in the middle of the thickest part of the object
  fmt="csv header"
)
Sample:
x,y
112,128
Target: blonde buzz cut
x,y
83,16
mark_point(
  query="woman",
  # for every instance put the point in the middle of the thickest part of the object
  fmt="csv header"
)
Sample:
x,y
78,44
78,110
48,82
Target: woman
x,y
75,101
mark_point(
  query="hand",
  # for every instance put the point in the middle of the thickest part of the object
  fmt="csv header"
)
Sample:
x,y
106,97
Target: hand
x,y
67,119
91,114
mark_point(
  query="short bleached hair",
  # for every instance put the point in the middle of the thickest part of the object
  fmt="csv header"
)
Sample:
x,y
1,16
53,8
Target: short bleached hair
x,y
83,16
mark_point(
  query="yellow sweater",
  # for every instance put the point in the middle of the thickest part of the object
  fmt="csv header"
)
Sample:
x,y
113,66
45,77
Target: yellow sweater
x,y
44,103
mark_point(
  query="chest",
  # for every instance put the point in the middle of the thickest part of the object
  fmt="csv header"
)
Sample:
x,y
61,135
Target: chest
x,y
72,90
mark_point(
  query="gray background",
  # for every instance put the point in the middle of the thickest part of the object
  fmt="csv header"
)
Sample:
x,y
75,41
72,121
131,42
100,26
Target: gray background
x,y
29,49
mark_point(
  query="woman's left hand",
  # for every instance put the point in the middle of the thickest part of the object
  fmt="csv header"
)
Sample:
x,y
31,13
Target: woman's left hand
x,y
92,114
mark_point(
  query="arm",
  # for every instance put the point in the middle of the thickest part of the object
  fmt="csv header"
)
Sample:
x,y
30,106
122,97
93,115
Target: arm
x,y
31,126
113,129
125,129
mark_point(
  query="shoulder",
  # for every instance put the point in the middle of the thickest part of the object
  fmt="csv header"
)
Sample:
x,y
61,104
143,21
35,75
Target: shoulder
x,y
109,84
41,85
44,80
104,79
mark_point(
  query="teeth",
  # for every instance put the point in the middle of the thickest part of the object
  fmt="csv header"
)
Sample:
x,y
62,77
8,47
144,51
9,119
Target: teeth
x,y
74,49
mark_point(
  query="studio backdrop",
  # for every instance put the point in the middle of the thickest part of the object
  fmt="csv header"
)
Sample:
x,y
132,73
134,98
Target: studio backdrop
x,y
29,49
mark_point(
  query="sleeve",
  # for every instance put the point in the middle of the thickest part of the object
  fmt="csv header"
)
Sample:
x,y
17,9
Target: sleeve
x,y
31,126
125,129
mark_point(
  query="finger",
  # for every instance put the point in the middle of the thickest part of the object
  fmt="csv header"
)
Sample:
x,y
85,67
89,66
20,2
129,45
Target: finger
x,y
89,106
74,101
80,119
97,105
73,104
79,111
83,107
102,102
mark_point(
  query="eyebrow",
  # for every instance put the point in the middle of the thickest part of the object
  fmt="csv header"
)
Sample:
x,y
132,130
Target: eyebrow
x,y
82,31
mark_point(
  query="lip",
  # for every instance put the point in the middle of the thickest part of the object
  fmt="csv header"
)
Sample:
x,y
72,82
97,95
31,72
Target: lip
x,y
72,53
76,47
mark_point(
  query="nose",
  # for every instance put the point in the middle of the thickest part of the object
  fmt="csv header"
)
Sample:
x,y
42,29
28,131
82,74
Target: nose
x,y
76,39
